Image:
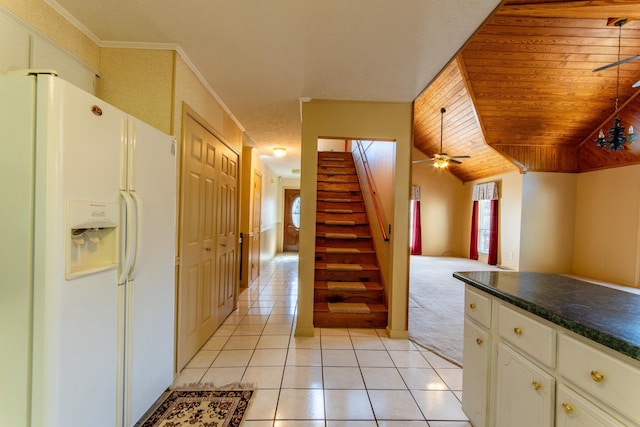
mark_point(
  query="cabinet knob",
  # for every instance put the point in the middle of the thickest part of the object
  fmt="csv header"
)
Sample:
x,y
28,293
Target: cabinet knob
x,y
536,385
479,341
567,408
517,330
472,306
597,376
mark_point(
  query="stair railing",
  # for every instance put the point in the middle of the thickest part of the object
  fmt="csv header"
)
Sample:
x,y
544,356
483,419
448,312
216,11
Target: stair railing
x,y
372,191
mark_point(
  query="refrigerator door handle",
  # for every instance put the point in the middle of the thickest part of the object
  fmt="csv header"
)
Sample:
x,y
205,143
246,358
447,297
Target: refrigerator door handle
x,y
129,247
138,202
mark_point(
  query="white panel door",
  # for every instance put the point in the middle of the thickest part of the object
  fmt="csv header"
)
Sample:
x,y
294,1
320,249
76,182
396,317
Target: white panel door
x,y
151,292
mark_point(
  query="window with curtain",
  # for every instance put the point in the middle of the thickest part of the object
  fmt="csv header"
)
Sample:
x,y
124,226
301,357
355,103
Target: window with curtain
x,y
416,229
484,222
484,226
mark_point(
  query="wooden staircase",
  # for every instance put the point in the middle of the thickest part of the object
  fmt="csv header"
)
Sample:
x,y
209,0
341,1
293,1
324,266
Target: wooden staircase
x,y
348,291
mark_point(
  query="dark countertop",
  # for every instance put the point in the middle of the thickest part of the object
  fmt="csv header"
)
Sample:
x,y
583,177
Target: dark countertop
x,y
606,315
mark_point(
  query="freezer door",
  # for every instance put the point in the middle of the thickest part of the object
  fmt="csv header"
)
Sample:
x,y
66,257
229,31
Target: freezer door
x,y
150,292
78,150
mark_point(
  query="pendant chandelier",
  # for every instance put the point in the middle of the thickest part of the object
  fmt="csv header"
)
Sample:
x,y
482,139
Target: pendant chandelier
x,y
617,138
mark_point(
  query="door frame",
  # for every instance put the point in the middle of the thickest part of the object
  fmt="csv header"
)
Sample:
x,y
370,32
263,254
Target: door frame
x,y
285,214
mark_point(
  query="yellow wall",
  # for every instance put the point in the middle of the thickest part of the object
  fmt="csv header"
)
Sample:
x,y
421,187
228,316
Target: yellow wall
x,y
269,215
42,17
380,157
357,120
548,216
441,210
190,90
139,82
607,225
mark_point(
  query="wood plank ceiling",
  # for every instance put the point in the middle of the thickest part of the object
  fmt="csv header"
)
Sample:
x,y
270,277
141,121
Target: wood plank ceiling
x,y
522,94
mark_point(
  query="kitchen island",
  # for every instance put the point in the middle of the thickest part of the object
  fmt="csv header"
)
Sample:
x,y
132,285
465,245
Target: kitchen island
x,y
544,350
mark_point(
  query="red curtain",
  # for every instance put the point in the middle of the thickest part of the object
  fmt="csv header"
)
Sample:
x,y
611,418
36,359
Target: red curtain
x,y
473,245
416,238
493,234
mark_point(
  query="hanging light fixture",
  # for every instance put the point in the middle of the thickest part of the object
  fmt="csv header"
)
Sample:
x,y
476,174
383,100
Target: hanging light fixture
x,y
279,151
441,160
617,138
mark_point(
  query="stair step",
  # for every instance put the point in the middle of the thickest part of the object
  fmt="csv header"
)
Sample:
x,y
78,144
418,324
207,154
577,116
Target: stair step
x,y
337,178
338,211
376,318
330,291
345,187
335,286
332,170
343,236
364,242
367,273
356,206
363,267
330,189
339,200
338,222
355,217
364,256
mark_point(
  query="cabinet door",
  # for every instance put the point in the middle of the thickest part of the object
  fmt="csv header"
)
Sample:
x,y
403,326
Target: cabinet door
x,y
575,411
525,393
475,375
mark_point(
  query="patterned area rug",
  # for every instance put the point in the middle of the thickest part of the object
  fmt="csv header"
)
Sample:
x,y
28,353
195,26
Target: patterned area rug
x,y
199,408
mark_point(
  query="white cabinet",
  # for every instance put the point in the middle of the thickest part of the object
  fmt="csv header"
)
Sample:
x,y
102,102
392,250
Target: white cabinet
x,y
476,356
572,410
526,393
513,360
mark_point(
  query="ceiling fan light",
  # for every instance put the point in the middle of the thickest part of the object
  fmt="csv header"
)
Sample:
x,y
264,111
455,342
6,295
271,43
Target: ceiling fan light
x,y
441,163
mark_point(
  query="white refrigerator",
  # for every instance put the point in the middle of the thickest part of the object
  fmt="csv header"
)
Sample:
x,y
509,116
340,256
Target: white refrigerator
x,y
88,253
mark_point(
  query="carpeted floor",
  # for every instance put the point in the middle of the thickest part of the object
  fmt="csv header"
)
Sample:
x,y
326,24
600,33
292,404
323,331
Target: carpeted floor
x,y
436,303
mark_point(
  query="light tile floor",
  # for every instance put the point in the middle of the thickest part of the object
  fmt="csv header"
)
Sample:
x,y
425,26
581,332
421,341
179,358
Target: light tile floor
x,y
337,378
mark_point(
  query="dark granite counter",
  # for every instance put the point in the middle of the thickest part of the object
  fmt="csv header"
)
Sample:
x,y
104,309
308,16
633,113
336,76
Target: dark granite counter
x,y
606,315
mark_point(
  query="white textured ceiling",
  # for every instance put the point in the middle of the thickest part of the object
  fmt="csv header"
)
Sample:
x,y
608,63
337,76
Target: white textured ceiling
x,y
262,56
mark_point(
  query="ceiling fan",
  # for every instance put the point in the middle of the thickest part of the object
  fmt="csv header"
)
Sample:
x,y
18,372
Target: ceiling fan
x,y
440,159
619,23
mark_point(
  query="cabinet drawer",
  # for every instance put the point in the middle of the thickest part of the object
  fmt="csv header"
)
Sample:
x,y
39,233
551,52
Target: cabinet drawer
x,y
608,378
572,410
477,306
529,335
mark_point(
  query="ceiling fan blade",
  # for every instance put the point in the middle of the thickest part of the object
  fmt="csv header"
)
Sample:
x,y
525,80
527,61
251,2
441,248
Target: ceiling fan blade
x,y
422,160
457,162
459,157
613,64
636,84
